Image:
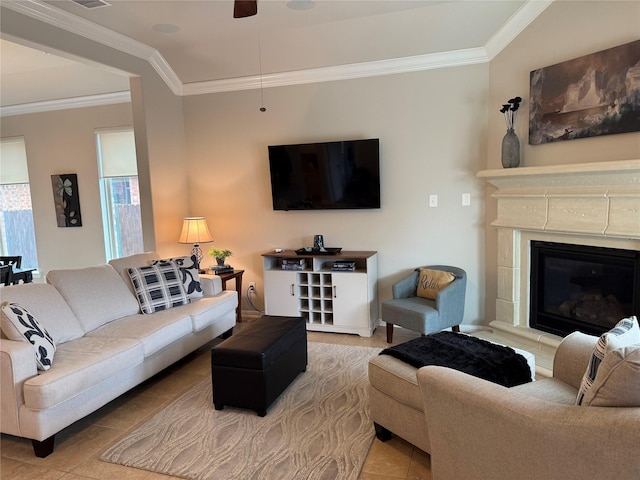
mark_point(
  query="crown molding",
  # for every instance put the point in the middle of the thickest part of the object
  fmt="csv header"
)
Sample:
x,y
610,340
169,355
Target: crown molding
x,y
341,72
165,71
77,25
67,103
515,25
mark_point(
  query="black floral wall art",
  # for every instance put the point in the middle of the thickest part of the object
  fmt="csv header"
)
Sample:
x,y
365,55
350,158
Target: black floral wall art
x,y
67,200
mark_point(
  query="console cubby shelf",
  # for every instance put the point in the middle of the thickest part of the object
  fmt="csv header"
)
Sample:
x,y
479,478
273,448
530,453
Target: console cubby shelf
x,y
330,301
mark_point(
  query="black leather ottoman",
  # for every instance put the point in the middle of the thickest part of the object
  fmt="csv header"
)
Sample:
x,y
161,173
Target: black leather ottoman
x,y
254,366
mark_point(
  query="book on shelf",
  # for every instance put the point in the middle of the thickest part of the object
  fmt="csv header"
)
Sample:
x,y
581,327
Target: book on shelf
x,y
293,261
293,264
220,269
343,266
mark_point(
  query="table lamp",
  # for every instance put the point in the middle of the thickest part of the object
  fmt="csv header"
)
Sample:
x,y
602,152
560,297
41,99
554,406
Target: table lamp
x,y
195,230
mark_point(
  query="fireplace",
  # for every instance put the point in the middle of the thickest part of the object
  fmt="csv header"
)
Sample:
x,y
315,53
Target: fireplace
x,y
580,287
580,205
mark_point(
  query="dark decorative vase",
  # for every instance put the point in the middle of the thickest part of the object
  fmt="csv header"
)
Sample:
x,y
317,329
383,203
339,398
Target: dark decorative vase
x,y
510,150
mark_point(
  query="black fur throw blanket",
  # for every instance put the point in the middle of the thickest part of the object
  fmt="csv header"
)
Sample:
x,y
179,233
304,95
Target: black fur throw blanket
x,y
471,355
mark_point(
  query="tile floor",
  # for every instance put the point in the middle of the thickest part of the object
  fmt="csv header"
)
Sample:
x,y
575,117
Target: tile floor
x,y
78,447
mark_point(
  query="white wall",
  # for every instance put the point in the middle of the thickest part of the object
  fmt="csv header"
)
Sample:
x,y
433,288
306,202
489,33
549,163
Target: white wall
x,y
564,31
437,129
431,127
64,142
158,127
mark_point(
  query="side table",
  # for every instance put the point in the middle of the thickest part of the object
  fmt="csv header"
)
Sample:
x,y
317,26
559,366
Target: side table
x,y
237,276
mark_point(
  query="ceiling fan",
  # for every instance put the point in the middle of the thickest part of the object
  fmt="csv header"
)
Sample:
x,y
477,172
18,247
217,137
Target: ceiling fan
x,y
245,8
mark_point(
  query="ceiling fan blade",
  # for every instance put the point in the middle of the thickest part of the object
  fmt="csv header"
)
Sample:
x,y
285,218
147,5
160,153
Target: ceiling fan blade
x,y
245,8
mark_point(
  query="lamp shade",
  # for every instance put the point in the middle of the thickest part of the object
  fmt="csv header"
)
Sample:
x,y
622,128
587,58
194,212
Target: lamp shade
x,y
195,230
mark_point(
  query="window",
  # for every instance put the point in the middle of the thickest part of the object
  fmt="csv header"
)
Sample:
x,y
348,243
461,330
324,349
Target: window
x,y
119,193
17,234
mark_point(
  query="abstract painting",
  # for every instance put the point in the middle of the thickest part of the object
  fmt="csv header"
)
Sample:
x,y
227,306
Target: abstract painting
x,y
67,200
598,94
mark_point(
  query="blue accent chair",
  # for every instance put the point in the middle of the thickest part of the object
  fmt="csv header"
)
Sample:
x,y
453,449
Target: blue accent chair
x,y
421,314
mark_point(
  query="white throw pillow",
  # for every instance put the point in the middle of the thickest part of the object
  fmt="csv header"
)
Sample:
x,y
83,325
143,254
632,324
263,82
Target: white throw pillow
x,y
158,287
617,383
188,267
18,324
625,333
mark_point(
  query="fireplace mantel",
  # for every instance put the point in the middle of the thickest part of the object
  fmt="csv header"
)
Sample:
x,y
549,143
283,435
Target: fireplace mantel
x,y
588,204
626,172
589,198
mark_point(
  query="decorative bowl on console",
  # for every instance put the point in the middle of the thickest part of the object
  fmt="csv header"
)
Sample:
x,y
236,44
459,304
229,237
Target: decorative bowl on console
x,y
318,250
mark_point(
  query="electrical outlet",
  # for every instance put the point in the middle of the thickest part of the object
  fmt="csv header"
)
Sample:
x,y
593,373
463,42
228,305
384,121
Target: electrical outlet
x,y
252,286
433,200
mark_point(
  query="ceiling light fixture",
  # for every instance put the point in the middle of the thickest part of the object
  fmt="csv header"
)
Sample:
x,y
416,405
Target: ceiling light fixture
x,y
262,107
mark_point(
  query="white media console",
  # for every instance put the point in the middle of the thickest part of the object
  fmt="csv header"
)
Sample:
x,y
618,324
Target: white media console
x,y
330,301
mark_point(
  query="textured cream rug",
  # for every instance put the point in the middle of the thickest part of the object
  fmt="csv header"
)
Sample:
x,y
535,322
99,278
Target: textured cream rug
x,y
319,428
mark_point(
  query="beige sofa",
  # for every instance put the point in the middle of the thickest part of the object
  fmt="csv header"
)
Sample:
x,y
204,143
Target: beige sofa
x,y
479,430
104,345
395,402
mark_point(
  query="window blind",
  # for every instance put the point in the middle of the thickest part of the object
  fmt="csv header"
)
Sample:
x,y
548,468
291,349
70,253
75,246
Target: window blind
x,y
117,153
13,161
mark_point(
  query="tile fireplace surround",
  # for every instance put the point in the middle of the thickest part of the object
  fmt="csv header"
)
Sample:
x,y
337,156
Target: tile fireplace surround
x,y
585,204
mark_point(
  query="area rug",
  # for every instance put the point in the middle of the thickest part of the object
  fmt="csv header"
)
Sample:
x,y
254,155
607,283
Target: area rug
x,y
319,428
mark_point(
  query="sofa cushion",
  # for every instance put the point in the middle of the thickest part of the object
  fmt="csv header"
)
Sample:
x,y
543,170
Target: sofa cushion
x,y
188,267
204,311
20,325
47,305
158,287
80,365
96,295
154,331
396,379
430,282
625,333
549,389
617,383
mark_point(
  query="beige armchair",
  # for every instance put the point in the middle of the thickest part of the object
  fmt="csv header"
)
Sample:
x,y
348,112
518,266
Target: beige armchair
x,y
482,431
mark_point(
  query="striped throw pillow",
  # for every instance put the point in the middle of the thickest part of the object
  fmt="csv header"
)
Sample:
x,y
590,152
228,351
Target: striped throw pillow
x,y
158,287
625,333
188,267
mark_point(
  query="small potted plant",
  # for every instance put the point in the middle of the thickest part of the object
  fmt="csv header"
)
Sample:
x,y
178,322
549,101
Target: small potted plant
x,y
220,254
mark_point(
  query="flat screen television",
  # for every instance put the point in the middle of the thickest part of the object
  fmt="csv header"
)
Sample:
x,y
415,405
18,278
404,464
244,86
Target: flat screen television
x,y
325,176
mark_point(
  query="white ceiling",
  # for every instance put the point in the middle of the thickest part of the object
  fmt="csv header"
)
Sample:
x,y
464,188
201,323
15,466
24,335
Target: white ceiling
x,y
209,45
29,75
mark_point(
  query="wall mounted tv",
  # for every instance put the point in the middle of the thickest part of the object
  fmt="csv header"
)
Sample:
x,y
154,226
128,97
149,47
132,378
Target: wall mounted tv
x,y
325,176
